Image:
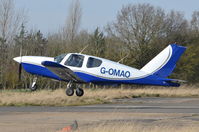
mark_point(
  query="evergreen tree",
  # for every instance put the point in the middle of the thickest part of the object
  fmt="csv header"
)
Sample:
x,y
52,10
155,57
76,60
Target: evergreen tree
x,y
97,43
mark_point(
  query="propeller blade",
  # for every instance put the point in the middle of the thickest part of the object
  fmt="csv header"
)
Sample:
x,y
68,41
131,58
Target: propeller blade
x,y
20,65
20,69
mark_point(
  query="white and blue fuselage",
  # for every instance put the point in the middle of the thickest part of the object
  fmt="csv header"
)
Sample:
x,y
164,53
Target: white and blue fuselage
x,y
91,69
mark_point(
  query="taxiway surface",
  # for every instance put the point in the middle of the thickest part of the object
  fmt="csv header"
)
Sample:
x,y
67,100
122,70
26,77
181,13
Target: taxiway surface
x,y
145,110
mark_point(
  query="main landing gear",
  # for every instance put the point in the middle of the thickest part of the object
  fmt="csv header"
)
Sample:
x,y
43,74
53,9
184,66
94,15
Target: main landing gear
x,y
70,90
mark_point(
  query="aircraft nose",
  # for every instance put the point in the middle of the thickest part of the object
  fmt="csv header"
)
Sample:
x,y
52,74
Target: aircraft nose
x,y
17,59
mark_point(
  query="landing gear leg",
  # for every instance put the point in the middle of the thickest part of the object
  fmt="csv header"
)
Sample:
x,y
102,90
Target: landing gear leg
x,y
34,85
70,90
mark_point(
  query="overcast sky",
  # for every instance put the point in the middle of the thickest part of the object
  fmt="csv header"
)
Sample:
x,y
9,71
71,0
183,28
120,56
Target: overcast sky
x,y
50,15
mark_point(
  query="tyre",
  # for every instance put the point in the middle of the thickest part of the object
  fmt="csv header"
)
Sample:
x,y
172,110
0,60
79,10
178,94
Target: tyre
x,y
79,92
33,88
69,91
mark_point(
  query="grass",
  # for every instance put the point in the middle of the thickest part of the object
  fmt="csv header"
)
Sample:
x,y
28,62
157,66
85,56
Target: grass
x,y
96,96
129,127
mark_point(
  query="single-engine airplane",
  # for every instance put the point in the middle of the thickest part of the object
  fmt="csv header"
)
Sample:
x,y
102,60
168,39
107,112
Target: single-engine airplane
x,y
78,68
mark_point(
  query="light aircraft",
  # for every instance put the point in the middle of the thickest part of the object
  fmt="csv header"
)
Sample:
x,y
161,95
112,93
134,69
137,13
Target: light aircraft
x,y
77,68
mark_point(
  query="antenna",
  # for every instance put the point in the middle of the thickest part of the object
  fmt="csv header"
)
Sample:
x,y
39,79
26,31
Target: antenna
x,y
123,58
83,48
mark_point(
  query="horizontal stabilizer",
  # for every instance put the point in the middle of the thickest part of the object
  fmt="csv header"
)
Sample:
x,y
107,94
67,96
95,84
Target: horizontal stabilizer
x,y
173,80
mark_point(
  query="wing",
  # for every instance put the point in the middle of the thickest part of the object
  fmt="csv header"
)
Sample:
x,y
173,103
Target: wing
x,y
63,72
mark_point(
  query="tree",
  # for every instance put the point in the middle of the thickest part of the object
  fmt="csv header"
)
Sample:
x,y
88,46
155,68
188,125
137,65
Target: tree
x,y
73,21
195,21
137,26
97,43
176,28
195,27
10,22
146,30
35,43
32,43
188,67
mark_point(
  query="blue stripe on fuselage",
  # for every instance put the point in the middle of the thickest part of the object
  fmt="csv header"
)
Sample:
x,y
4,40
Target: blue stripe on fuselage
x,y
42,71
149,80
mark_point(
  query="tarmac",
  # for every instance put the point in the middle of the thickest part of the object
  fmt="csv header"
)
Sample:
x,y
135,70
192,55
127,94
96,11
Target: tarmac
x,y
179,111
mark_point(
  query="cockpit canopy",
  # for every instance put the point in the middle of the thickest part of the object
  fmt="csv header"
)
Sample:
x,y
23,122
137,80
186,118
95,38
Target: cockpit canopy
x,y
76,60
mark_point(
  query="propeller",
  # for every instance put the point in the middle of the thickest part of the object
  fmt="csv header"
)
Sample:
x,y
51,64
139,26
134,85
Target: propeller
x,y
20,68
20,65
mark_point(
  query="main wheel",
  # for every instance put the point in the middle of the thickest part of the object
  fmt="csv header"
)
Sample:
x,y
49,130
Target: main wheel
x,y
69,91
79,92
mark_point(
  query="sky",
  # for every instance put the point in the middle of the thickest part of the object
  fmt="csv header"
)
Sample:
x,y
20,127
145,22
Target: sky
x,y
50,15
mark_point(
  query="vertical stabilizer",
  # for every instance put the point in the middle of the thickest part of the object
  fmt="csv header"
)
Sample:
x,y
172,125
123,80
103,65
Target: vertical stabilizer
x,y
164,63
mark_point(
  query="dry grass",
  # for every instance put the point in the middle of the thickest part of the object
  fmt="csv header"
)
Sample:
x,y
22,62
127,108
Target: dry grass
x,y
97,96
127,127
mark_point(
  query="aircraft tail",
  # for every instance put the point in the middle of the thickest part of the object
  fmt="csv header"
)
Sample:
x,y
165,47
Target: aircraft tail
x,y
164,63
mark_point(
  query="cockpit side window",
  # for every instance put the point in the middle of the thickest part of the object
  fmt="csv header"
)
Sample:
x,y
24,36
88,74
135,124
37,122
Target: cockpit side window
x,y
59,58
93,62
75,60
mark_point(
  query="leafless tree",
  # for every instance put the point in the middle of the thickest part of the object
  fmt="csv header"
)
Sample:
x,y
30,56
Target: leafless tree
x,y
143,28
10,22
195,21
73,20
175,22
138,24
176,27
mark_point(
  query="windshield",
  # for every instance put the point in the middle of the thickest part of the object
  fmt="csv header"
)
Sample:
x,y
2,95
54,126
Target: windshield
x,y
75,60
59,58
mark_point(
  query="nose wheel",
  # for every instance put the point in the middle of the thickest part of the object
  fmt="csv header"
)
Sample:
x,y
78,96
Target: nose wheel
x,y
70,90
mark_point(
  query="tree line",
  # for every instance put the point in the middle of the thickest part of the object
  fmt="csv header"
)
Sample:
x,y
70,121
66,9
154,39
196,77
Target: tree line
x,y
139,33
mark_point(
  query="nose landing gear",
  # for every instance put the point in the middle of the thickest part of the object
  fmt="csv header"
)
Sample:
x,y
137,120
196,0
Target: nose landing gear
x,y
34,85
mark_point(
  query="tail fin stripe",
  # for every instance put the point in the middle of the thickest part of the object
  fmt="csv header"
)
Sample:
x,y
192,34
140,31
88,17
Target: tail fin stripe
x,y
165,62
